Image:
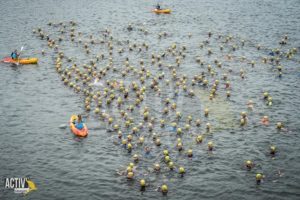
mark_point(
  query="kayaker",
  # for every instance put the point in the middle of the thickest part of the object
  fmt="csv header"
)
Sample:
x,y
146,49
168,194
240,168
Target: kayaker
x,y
79,123
158,7
14,55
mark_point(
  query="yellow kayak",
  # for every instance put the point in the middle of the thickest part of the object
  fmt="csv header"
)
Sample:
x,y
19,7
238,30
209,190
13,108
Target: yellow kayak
x,y
23,61
162,11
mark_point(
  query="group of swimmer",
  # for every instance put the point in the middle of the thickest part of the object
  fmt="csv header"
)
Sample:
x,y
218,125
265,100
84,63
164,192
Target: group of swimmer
x,y
122,106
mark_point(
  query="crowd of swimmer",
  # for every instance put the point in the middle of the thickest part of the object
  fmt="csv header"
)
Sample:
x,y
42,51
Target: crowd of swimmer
x,y
139,102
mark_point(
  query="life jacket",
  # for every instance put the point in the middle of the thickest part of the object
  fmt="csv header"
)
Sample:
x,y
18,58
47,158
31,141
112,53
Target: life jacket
x,y
79,125
13,55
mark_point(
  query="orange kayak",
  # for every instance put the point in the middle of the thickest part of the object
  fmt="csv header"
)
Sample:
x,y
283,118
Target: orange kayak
x,y
81,133
162,11
23,61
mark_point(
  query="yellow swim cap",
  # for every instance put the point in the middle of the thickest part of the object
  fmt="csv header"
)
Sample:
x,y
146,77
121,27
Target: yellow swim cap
x,y
157,167
131,165
190,152
129,169
135,157
199,138
164,188
249,164
130,175
181,170
279,125
167,158
171,165
259,176
166,152
129,146
210,145
129,137
141,139
179,131
273,149
142,182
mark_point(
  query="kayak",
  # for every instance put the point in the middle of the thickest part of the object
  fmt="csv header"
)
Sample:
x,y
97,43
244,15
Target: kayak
x,y
23,61
81,133
162,11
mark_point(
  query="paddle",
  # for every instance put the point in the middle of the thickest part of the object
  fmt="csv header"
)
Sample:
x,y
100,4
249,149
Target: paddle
x,y
20,54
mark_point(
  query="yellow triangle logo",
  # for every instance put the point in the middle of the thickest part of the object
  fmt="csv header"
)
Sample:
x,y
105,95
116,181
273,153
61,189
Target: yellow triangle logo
x,y
31,186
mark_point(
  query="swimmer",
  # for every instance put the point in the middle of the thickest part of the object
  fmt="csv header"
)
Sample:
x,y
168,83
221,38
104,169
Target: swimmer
x,y
157,142
162,123
141,140
147,150
227,85
198,122
181,171
266,95
244,115
259,178
208,127
167,159
249,164
279,125
228,57
156,167
136,158
129,138
171,165
143,184
163,189
130,175
129,147
250,105
154,136
199,139
228,94
242,122
131,165
179,146
124,143
273,150
130,168
265,120
190,153
270,101
179,131
210,146
166,152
